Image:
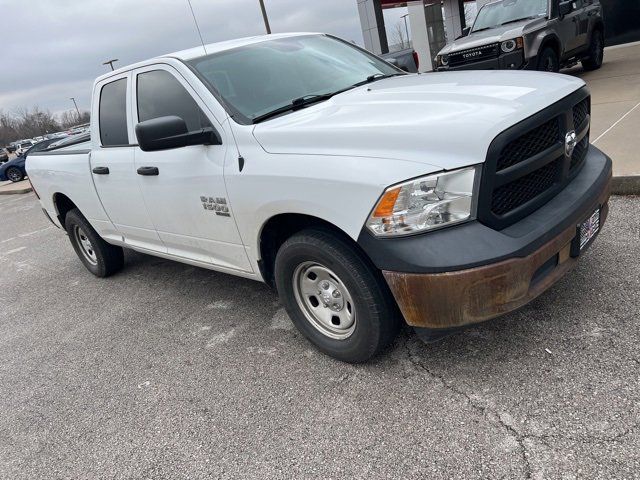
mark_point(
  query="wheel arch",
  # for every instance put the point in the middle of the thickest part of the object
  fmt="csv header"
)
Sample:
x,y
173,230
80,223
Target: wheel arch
x,y
63,205
597,27
552,41
278,228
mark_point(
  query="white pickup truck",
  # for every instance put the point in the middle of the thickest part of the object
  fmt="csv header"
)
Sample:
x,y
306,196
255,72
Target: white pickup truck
x,y
364,194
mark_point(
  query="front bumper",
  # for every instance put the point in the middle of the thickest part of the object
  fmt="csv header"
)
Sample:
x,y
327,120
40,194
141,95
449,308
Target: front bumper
x,y
468,274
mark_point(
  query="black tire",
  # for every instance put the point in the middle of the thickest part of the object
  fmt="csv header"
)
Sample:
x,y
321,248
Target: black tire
x,y
14,174
596,52
377,319
548,61
109,259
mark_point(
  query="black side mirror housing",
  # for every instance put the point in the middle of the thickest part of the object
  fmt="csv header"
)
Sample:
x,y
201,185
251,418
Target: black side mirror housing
x,y
164,133
466,31
565,8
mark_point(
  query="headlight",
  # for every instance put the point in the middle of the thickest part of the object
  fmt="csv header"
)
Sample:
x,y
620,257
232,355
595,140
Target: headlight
x,y
443,60
425,203
510,45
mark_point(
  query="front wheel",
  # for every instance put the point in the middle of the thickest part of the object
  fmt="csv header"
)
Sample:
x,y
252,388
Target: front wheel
x,y
596,52
101,258
14,174
334,296
548,61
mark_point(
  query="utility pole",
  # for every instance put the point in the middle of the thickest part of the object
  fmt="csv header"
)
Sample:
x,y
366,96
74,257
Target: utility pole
x,y
76,105
406,28
264,16
110,63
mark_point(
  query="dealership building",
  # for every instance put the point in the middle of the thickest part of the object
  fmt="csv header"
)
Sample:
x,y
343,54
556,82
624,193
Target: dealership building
x,y
434,23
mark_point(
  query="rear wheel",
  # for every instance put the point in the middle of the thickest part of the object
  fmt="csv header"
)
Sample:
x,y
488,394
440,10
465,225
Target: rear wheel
x,y
334,296
101,258
596,52
548,61
14,174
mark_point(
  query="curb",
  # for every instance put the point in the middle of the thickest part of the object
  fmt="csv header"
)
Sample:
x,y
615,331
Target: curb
x,y
16,192
626,185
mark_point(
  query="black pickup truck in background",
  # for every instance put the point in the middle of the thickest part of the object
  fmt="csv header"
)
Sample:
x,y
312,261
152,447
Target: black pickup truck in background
x,y
406,59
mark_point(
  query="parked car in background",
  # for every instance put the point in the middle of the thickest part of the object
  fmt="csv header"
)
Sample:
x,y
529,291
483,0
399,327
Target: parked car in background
x,y
12,147
58,141
15,170
23,146
343,183
4,155
544,35
406,59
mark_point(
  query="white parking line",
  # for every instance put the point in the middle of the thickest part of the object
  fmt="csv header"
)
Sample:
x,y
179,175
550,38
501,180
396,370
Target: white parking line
x,y
22,235
614,125
13,200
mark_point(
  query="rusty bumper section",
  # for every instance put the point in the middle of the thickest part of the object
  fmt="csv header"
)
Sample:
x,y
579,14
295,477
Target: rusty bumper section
x,y
456,299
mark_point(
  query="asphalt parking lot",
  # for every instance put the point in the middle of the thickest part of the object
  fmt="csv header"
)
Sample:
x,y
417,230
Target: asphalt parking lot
x,y
170,371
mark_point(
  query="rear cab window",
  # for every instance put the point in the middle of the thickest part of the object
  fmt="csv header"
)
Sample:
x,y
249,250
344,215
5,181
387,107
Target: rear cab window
x,y
113,114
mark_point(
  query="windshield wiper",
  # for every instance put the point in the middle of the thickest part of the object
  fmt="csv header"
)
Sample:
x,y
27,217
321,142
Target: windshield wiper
x,y
301,102
296,104
519,20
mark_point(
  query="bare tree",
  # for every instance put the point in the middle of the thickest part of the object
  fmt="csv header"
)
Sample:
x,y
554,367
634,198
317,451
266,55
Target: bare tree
x,y
70,118
29,123
8,128
35,122
399,35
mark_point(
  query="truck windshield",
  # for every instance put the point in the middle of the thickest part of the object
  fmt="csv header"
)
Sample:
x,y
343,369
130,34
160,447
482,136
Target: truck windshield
x,y
265,77
507,11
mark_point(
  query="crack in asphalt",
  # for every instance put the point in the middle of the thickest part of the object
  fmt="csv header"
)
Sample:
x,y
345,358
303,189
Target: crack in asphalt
x,y
494,418
490,416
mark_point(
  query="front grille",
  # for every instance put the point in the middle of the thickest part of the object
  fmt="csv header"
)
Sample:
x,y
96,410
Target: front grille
x,y
517,193
532,143
476,54
580,112
528,164
579,153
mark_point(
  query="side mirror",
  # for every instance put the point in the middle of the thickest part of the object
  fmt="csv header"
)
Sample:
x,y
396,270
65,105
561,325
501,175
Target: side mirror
x,y
164,133
565,8
466,31
392,61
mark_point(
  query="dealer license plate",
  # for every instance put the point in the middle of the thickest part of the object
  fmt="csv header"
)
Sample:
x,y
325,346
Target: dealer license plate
x,y
589,228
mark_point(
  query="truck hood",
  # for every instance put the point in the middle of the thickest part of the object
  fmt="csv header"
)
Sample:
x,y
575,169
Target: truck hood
x,y
446,120
493,35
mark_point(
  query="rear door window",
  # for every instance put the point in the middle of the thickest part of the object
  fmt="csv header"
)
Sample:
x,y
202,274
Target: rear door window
x,y
113,114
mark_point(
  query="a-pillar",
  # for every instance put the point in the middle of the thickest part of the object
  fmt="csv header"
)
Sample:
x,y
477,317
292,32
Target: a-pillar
x,y
481,3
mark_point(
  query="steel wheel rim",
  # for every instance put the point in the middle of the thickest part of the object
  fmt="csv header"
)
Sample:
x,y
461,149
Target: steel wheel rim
x,y
84,243
325,300
13,174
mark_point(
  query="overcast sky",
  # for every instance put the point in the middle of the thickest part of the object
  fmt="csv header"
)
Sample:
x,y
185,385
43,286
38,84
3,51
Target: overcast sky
x,y
52,50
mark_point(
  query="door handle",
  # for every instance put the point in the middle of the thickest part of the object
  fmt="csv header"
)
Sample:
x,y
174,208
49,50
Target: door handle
x,y
148,171
101,170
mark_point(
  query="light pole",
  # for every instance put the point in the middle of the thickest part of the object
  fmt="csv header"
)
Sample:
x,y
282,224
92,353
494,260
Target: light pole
x,y
110,63
264,16
76,105
406,27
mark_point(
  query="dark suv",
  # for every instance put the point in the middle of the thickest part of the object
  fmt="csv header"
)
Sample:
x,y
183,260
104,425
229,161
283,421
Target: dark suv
x,y
529,34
